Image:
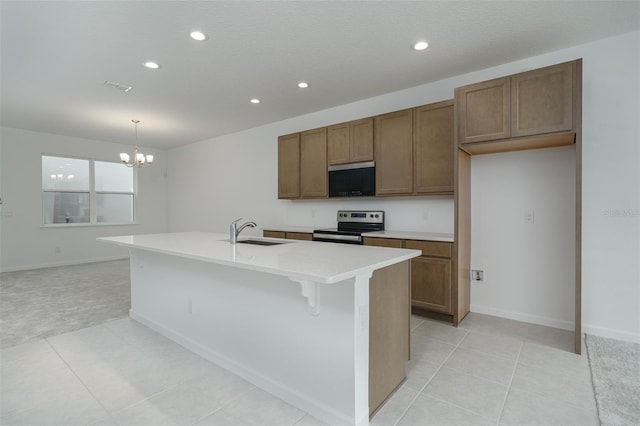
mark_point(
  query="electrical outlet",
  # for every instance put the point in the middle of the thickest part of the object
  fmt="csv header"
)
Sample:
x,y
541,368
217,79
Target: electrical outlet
x,y
529,216
477,275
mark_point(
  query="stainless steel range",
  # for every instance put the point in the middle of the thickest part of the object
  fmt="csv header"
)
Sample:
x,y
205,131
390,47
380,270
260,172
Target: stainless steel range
x,y
351,225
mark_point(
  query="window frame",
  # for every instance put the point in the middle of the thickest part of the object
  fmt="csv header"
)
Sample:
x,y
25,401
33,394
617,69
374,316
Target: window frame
x,y
93,195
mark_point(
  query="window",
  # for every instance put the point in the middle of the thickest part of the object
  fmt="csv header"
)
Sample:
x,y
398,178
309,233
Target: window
x,y
76,190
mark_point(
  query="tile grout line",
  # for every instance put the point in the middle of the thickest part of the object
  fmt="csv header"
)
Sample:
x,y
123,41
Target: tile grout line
x,y
109,416
430,379
110,413
229,403
513,374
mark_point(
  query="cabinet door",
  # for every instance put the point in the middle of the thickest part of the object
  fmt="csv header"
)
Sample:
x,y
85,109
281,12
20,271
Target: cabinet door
x,y
431,284
361,140
338,143
313,163
542,100
289,166
483,111
433,142
393,145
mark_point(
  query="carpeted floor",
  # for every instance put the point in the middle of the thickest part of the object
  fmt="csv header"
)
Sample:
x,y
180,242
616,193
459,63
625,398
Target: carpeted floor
x,y
615,371
46,302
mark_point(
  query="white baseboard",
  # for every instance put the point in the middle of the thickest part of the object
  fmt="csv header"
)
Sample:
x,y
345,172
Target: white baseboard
x,y
67,263
519,316
611,333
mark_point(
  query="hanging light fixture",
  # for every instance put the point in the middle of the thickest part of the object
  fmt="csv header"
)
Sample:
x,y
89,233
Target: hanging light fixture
x,y
139,159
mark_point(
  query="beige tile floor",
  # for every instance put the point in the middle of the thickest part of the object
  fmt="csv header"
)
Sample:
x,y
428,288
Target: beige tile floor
x,y
488,371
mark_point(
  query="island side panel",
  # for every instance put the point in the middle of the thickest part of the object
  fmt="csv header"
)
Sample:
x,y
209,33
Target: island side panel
x,y
260,327
390,305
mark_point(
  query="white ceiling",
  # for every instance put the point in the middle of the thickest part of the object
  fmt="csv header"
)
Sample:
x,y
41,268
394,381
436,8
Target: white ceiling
x,y
55,56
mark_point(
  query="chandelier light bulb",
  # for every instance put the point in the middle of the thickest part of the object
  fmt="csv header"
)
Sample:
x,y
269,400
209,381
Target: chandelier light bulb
x,y
139,159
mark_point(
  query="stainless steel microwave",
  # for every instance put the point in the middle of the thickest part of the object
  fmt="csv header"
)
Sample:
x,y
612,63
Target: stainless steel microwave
x,y
352,180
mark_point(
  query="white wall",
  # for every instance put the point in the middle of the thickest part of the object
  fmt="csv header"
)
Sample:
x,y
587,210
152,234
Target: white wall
x,y
528,267
530,271
24,243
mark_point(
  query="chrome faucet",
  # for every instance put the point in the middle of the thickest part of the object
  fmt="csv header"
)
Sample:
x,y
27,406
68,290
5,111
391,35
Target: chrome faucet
x,y
234,231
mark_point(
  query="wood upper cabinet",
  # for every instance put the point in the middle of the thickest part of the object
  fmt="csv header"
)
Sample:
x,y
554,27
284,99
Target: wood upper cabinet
x,y
541,102
350,142
484,111
289,166
433,148
313,164
393,148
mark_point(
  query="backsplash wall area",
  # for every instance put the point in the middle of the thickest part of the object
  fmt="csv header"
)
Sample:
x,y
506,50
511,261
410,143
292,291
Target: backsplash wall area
x,y
422,214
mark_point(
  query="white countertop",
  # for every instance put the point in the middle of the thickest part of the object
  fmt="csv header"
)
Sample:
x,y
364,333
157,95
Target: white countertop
x,y
404,235
299,260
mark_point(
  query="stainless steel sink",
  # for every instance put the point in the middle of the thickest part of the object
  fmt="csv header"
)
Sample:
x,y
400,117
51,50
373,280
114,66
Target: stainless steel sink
x,y
260,242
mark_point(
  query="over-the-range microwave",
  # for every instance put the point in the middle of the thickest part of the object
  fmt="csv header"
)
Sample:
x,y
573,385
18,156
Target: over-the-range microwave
x,y
352,180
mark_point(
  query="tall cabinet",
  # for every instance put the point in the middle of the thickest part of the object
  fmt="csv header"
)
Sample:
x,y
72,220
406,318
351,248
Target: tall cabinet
x,y
535,109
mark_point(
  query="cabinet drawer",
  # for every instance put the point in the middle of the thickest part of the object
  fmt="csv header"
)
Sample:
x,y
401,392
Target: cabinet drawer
x,y
299,236
273,234
382,242
430,248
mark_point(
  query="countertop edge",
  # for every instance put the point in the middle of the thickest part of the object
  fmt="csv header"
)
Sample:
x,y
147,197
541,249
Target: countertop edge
x,y
294,276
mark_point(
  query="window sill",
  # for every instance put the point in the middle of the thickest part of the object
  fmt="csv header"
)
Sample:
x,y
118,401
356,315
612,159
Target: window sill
x,y
86,225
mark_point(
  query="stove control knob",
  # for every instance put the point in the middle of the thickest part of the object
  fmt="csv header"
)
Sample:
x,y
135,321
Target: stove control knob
x,y
376,215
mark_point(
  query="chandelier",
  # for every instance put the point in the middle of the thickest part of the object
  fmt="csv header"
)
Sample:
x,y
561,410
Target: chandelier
x,y
139,159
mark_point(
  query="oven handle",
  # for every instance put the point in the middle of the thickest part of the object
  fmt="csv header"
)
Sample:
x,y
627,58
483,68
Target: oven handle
x,y
329,238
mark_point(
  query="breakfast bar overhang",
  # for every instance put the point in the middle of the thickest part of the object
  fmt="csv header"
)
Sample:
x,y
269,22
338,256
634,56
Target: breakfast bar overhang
x,y
292,318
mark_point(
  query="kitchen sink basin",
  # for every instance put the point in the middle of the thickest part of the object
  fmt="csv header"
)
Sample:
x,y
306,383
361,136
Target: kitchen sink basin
x,y
260,242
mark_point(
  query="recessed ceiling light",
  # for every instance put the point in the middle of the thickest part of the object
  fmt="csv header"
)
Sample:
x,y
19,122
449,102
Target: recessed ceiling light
x,y
255,101
421,45
303,85
197,35
152,65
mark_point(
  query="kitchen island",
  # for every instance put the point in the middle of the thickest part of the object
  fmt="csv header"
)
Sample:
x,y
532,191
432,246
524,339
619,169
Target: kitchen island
x,y
292,318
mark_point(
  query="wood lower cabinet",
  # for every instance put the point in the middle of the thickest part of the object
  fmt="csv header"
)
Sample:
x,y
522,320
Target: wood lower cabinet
x,y
393,146
274,234
533,109
433,148
383,242
304,236
431,280
431,284
313,164
289,166
350,142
